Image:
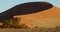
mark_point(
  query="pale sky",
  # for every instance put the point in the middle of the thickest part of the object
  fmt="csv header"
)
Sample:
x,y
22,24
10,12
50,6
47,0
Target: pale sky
x,y
7,4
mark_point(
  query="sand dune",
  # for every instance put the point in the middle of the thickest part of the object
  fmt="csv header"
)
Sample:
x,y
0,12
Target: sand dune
x,y
47,18
41,14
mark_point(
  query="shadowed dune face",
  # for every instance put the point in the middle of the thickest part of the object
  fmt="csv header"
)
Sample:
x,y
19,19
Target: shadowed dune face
x,y
25,8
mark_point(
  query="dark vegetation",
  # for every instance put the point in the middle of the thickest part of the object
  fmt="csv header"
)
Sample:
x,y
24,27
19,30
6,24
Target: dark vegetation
x,y
41,29
13,23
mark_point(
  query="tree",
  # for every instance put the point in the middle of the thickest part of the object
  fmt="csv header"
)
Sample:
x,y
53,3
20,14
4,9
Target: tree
x,y
10,23
13,23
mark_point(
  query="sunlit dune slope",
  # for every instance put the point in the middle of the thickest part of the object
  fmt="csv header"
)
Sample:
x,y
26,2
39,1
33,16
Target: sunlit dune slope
x,y
46,18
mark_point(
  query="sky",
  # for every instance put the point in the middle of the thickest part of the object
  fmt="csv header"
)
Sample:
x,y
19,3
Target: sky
x,y
7,4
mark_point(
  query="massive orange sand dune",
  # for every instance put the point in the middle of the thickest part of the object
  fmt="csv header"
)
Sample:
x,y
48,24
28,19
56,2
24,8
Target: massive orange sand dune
x,y
47,18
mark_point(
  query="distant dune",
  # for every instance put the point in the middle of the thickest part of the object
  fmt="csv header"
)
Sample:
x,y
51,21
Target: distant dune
x,y
41,14
47,18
